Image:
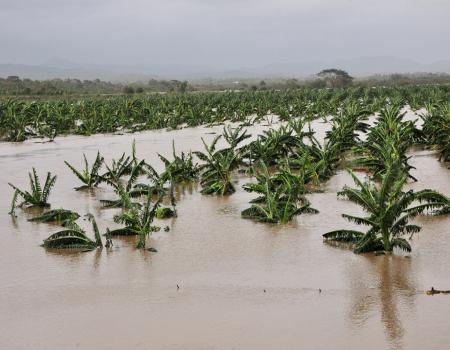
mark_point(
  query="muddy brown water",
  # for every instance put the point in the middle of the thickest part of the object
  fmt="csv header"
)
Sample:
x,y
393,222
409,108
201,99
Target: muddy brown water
x,y
127,299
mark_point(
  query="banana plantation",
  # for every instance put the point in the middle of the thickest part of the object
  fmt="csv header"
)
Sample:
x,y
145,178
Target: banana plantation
x,y
24,119
368,135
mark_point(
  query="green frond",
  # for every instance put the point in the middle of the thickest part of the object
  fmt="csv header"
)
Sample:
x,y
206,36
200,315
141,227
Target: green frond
x,y
401,244
343,236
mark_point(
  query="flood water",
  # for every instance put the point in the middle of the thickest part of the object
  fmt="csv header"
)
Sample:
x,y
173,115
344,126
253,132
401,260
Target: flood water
x,y
127,299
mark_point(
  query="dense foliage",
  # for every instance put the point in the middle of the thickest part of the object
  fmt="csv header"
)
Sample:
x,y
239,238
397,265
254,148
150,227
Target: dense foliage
x,y
23,119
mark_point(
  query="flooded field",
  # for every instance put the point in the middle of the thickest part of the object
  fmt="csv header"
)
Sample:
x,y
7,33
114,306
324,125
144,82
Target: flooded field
x,y
243,285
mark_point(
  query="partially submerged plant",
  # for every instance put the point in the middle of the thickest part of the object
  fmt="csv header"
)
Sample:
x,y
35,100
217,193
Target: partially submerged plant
x,y
218,167
57,215
389,211
137,220
273,145
345,126
387,143
165,213
281,196
74,237
181,168
132,189
89,177
235,136
326,158
22,119
38,195
436,128
124,166
118,168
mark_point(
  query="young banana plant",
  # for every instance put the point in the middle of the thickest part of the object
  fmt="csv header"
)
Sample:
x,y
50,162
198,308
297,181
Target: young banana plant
x,y
74,237
57,215
137,220
281,196
181,168
37,196
88,176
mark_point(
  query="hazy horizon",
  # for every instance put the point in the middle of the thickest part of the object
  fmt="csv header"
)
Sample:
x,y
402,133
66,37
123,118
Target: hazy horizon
x,y
228,34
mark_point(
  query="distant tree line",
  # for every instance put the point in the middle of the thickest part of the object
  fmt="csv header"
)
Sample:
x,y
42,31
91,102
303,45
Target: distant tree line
x,y
15,86
328,78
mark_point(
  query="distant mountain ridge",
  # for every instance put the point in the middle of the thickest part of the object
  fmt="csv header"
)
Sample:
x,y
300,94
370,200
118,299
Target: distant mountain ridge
x,y
365,66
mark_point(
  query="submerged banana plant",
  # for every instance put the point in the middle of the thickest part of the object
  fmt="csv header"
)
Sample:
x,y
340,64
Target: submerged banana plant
x,y
74,237
165,212
389,211
125,165
118,168
235,136
137,220
56,215
218,167
181,168
272,145
89,177
132,188
37,196
387,143
436,128
281,196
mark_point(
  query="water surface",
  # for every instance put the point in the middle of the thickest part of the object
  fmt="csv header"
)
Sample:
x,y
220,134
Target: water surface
x,y
127,298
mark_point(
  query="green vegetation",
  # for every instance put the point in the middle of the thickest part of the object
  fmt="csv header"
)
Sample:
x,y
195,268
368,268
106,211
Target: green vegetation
x,y
219,164
89,177
56,215
74,237
164,213
15,86
25,119
436,129
367,130
390,209
137,220
181,168
281,196
388,142
38,195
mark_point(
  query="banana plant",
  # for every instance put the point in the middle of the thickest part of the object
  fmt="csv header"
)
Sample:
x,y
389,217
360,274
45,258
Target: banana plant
x,y
57,215
23,119
235,136
88,176
281,196
181,168
436,128
137,220
132,188
217,169
387,142
389,210
74,237
125,165
37,196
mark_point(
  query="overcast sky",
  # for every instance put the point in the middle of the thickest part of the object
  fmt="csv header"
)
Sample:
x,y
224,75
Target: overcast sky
x,y
229,33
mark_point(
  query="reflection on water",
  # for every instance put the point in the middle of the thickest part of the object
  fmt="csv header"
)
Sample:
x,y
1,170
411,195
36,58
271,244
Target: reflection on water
x,y
392,285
